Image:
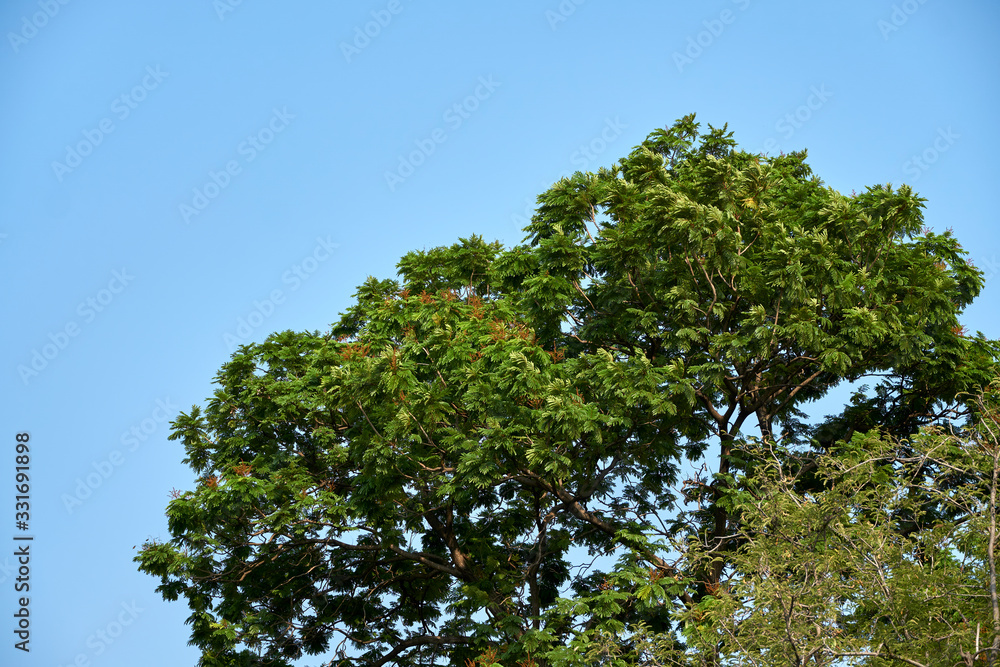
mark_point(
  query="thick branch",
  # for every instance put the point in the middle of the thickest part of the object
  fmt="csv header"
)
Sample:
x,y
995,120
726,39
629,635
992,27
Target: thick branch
x,y
422,640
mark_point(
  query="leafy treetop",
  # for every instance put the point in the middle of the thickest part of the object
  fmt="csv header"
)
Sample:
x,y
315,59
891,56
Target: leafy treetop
x,y
420,484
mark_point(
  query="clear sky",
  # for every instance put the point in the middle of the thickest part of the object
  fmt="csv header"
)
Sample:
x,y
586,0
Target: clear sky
x,y
181,177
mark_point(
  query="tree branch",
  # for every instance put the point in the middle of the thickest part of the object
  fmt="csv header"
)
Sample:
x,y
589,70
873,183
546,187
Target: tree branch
x,y
422,640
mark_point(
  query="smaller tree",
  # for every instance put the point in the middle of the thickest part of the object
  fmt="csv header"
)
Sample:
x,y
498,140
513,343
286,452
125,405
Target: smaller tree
x,y
838,572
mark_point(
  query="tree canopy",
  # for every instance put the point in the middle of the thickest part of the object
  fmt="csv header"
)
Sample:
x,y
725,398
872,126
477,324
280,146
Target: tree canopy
x,y
571,451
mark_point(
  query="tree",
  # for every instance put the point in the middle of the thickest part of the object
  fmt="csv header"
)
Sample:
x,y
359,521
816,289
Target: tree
x,y
821,577
419,484
824,577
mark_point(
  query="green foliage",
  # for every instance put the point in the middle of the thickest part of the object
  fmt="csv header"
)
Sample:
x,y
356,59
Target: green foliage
x,y
426,483
822,577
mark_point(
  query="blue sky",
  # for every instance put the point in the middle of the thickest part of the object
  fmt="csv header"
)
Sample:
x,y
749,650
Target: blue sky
x,y
178,178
